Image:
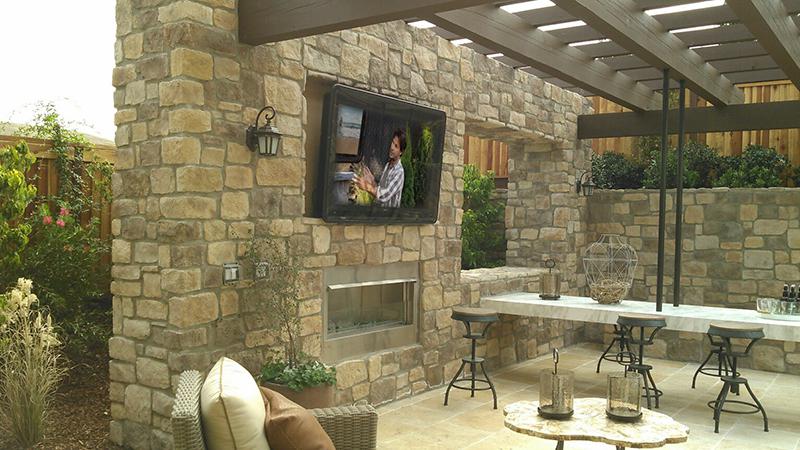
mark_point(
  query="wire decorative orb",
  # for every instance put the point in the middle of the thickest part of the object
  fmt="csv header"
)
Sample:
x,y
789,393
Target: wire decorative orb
x,y
609,265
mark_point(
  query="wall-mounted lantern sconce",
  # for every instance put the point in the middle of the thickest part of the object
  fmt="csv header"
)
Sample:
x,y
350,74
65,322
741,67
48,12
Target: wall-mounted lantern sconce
x,y
264,140
584,185
230,273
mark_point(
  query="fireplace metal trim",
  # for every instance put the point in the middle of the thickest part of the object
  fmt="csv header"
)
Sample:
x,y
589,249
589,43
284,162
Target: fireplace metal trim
x,y
337,348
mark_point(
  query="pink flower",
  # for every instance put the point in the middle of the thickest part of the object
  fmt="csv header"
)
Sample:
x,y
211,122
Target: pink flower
x,y
63,212
47,220
60,223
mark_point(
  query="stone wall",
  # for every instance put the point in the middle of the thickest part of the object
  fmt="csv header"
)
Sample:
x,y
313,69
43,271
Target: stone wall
x,y
738,244
188,193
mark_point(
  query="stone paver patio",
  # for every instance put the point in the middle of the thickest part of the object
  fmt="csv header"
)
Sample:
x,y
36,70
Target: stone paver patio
x,y
423,422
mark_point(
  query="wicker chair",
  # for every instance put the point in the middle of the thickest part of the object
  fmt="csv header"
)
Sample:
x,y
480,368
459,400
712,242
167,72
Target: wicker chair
x,y
349,427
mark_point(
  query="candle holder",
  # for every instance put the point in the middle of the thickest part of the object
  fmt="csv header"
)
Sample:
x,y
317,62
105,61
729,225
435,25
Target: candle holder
x,y
551,282
624,396
556,392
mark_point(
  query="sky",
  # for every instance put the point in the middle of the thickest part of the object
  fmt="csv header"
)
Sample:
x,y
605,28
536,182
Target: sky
x,y
61,52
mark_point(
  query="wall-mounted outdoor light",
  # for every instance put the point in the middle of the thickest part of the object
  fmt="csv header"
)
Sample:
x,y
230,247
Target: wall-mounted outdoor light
x,y
584,185
264,140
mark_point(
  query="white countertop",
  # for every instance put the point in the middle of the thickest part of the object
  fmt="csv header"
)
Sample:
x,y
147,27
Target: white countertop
x,y
683,318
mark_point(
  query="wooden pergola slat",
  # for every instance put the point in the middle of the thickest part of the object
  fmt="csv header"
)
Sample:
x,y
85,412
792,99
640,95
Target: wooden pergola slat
x,y
750,116
626,24
769,21
263,21
507,33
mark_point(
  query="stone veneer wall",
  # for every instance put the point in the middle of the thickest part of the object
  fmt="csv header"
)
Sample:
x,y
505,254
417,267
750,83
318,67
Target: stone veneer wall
x,y
738,244
187,193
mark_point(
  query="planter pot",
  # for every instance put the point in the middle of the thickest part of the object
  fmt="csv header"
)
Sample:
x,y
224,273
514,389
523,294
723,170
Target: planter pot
x,y
312,397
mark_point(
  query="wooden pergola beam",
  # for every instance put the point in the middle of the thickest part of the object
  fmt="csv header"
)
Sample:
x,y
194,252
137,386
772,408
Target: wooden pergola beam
x,y
750,116
769,21
263,21
504,32
625,23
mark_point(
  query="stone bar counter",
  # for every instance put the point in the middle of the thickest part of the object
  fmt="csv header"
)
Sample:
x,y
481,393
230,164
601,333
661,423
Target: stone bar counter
x,y
690,318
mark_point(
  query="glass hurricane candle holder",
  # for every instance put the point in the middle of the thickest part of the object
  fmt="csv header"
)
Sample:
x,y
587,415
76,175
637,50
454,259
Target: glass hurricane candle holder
x,y
624,396
556,392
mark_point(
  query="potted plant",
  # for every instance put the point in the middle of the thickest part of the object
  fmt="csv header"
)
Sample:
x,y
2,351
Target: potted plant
x,y
275,295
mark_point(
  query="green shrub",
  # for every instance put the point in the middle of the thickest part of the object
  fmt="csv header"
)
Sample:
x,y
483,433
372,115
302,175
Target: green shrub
x,y
480,235
15,194
756,167
304,373
700,163
614,171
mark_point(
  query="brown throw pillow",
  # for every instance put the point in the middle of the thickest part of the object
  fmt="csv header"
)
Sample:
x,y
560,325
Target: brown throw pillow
x,y
292,427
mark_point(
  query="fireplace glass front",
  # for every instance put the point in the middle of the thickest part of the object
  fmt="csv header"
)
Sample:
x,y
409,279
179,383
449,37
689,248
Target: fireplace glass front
x,y
357,307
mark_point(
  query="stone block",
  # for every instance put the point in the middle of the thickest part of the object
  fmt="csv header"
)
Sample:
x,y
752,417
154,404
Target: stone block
x,y
758,259
180,281
138,406
235,205
151,309
321,238
177,92
793,237
192,63
193,309
221,252
238,177
351,253
383,390
152,373
121,372
120,251
350,373
180,150
279,172
355,63
770,227
199,179
189,121
188,207
283,94
122,348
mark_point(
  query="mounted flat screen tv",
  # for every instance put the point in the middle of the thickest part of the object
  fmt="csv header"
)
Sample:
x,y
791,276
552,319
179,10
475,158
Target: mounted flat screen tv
x,y
381,158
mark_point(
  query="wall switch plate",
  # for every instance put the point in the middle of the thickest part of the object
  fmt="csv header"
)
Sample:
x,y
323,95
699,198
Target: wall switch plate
x,y
231,273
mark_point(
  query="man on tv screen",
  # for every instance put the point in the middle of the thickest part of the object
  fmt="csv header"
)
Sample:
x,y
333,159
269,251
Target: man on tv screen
x,y
390,188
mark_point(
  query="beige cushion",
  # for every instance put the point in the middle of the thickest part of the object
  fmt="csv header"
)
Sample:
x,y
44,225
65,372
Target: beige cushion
x,y
232,409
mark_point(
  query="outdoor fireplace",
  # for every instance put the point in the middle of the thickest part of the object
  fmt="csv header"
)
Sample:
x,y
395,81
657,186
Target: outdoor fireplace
x,y
369,308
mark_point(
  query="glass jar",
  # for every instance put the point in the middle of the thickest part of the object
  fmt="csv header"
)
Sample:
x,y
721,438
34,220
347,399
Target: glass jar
x,y
624,396
556,394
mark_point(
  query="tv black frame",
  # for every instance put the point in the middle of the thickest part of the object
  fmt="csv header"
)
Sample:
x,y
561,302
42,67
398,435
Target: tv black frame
x,y
381,103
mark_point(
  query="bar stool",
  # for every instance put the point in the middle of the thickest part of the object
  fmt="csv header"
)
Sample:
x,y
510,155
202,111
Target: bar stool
x,y
733,380
723,367
624,356
641,321
473,316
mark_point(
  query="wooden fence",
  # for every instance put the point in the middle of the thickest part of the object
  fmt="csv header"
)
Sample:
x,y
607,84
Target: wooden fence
x,y
786,142
487,155
44,174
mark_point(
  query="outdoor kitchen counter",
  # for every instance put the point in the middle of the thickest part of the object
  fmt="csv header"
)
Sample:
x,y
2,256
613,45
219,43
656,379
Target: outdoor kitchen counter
x,y
683,318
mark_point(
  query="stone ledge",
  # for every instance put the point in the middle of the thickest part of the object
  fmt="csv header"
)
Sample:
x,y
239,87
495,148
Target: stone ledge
x,y
499,273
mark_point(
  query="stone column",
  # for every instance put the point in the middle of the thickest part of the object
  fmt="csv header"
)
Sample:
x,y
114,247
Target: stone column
x,y
179,118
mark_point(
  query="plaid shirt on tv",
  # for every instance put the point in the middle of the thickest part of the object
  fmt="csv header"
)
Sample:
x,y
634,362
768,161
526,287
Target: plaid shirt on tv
x,y
390,188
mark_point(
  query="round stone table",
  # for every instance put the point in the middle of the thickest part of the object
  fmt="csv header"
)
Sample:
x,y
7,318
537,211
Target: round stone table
x,y
589,423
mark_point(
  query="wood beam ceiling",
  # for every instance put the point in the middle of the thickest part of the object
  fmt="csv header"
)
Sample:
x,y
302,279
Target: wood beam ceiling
x,y
624,22
750,116
263,21
505,32
769,21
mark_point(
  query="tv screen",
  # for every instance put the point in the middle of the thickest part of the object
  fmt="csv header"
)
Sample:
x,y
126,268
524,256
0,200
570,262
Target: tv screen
x,y
381,158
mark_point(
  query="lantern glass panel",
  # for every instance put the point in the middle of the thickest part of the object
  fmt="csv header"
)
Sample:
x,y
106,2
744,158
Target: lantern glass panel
x,y
556,393
624,396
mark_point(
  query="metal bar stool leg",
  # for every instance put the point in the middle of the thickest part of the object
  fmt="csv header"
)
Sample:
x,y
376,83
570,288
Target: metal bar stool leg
x,y
602,357
758,404
703,365
723,394
491,385
453,381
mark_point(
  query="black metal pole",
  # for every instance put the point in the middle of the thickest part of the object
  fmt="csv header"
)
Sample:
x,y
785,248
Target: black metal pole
x,y
676,284
662,194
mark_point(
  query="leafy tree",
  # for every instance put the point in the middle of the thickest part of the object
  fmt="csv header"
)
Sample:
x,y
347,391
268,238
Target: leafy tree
x,y
614,171
479,235
16,193
408,199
